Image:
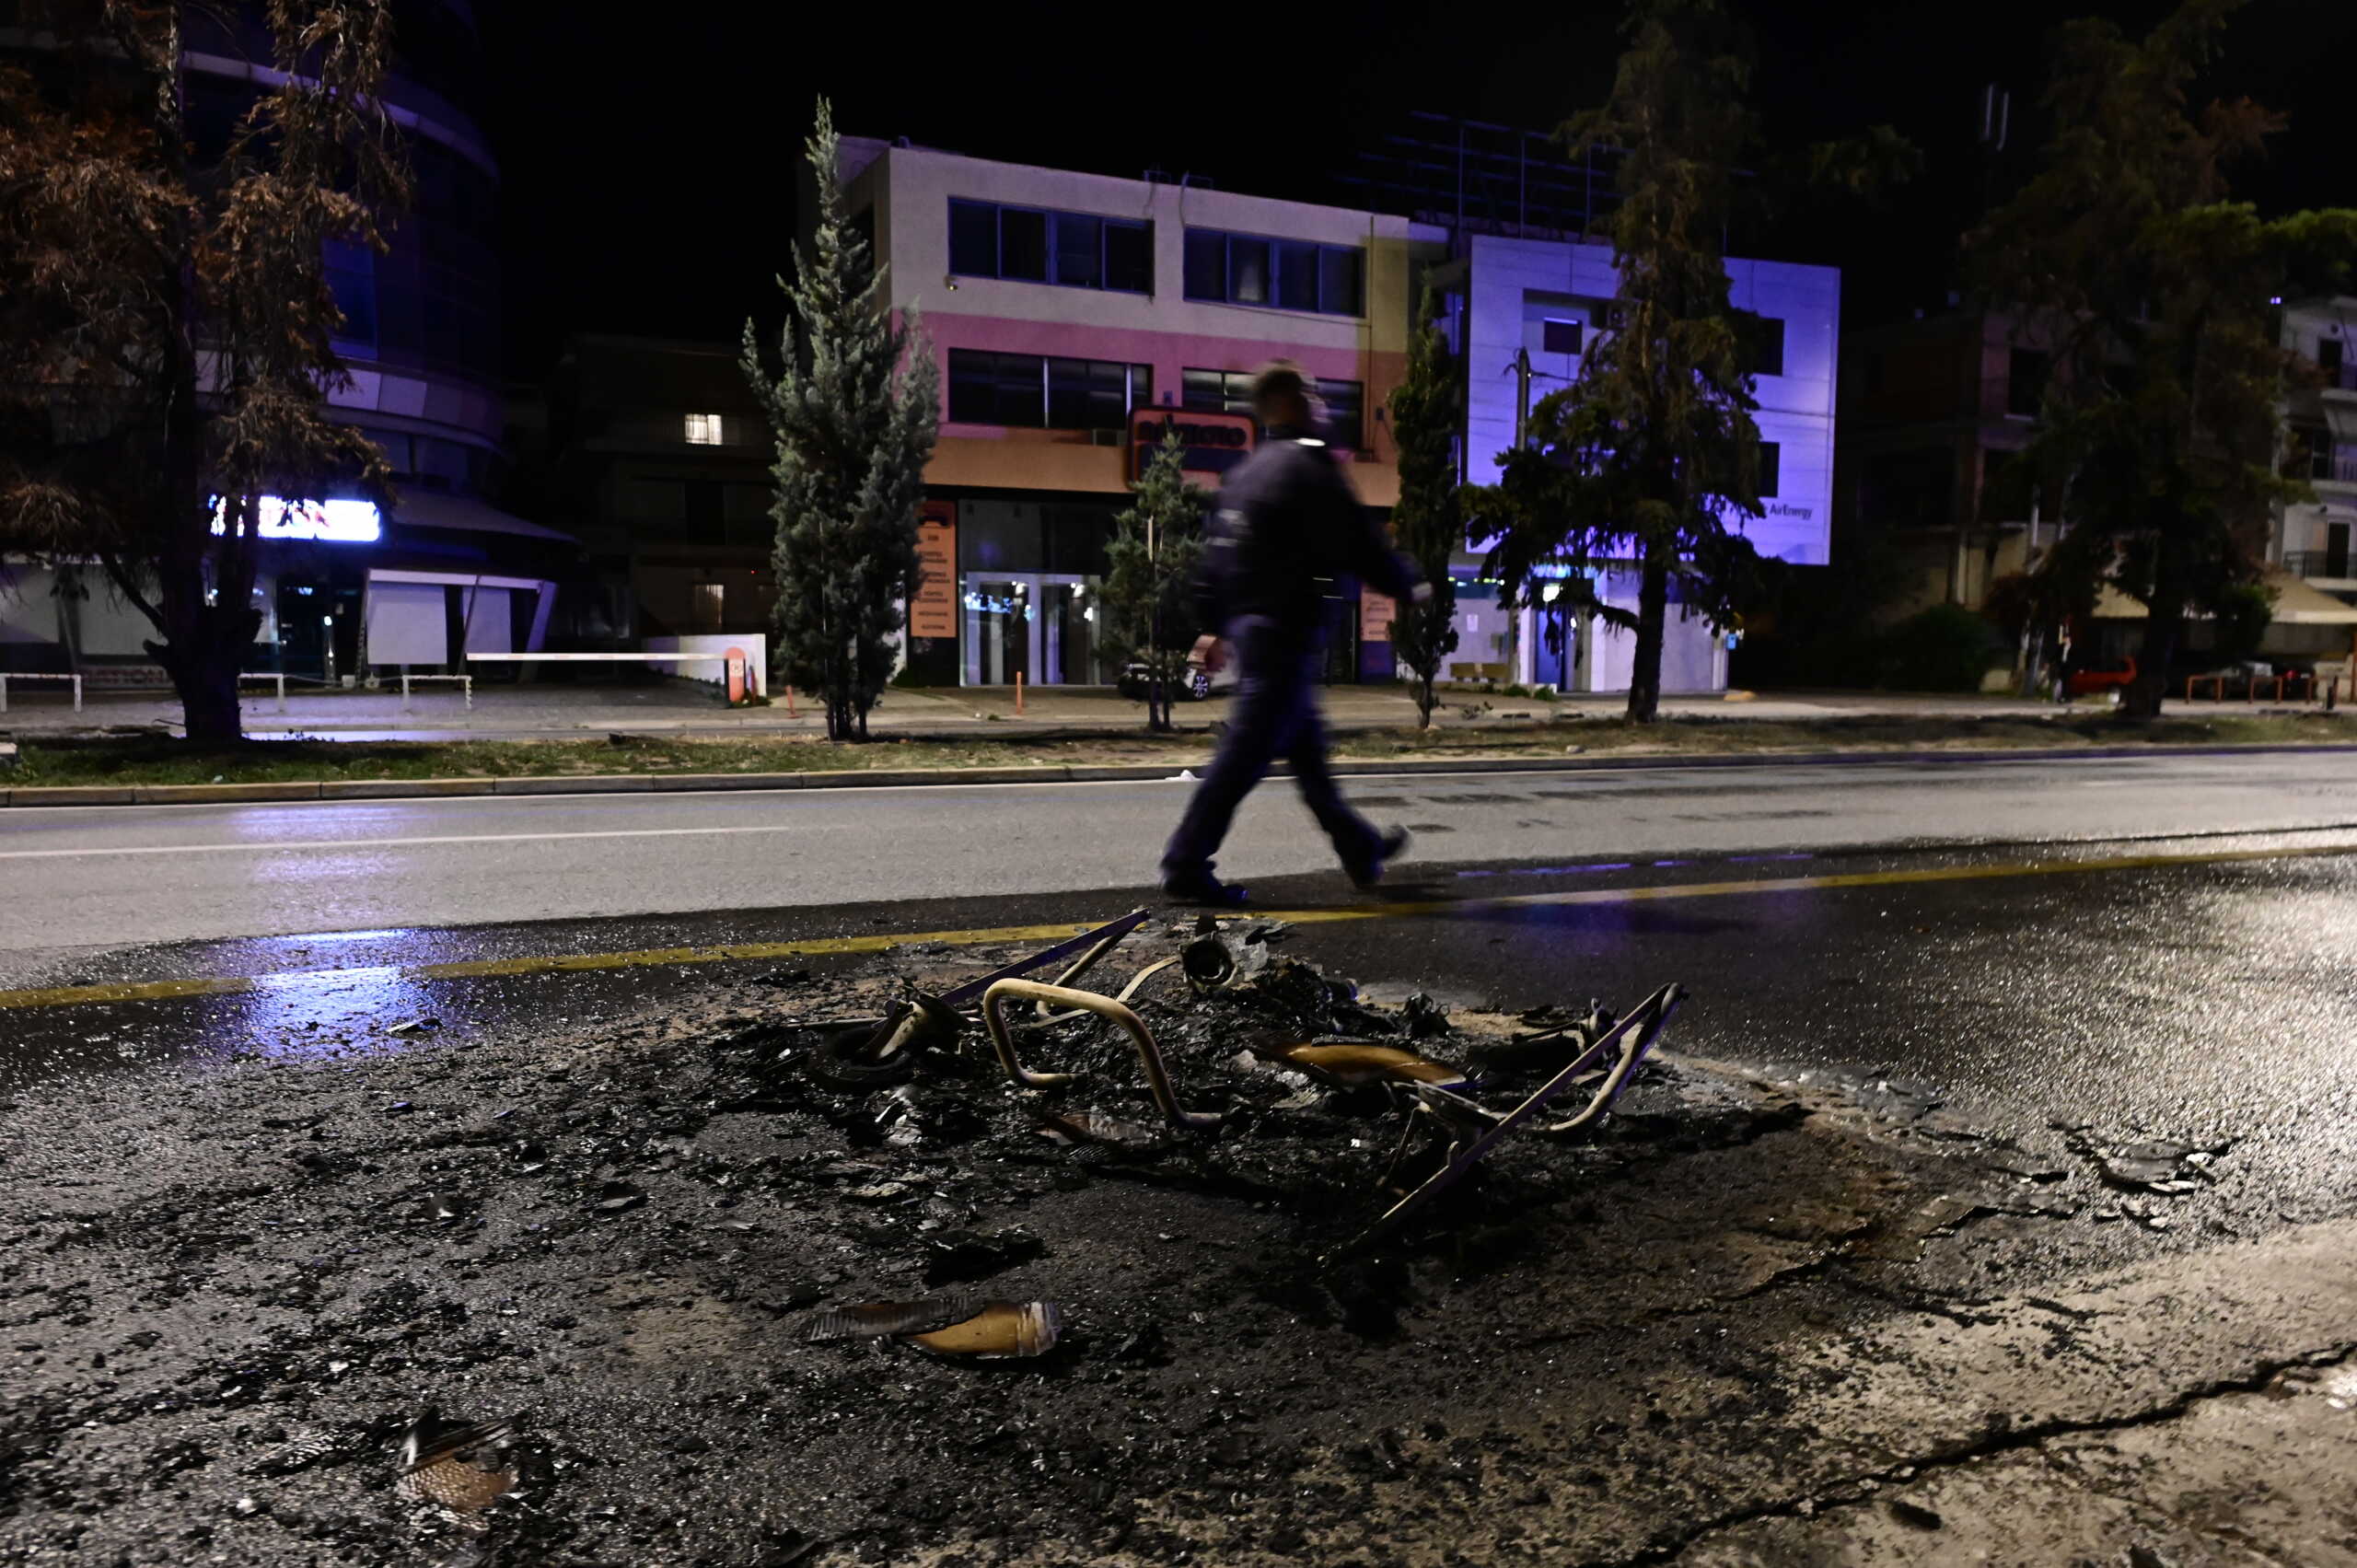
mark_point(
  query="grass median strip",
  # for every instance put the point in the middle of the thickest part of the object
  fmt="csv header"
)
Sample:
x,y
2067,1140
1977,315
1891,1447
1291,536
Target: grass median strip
x,y
232,985
131,761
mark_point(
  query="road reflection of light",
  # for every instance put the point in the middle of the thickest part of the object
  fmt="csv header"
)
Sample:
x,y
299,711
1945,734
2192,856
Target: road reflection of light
x,y
330,1013
312,939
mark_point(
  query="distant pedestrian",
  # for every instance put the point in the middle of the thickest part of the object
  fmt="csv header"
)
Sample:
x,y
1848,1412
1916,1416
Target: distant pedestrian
x,y
1287,519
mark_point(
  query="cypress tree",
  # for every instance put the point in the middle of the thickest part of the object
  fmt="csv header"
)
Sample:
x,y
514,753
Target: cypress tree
x,y
1428,523
853,423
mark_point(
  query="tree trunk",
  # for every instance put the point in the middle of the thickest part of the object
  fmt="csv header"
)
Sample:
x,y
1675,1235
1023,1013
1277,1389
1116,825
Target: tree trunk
x,y
203,662
1426,699
1653,609
2163,627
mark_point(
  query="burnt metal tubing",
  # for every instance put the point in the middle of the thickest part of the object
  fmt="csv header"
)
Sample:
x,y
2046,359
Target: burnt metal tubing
x,y
1156,1076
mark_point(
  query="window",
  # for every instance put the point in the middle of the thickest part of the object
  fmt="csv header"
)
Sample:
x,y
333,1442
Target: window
x,y
1206,266
1216,391
1759,345
1297,275
703,430
1022,245
1029,245
2025,382
1129,258
1292,274
1230,392
1247,271
352,279
1772,467
654,501
1345,412
1559,337
973,239
1031,392
708,606
2328,360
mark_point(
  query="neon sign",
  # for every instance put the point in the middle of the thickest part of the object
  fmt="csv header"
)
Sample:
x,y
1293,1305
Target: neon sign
x,y
335,522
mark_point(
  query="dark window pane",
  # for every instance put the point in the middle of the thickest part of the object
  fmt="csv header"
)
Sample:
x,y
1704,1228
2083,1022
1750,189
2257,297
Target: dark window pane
x,y
1760,341
1109,394
2025,381
1238,398
1297,275
1141,386
1346,412
1772,467
2329,357
1339,280
1021,397
1203,389
973,239
1560,337
1129,257
1068,384
1022,245
352,278
1080,250
1247,271
1206,264
973,387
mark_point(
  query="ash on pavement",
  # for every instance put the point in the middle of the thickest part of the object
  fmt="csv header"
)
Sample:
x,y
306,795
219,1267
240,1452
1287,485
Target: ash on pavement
x,y
230,1293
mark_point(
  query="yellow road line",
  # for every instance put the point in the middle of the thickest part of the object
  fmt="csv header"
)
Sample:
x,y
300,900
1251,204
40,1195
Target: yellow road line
x,y
230,985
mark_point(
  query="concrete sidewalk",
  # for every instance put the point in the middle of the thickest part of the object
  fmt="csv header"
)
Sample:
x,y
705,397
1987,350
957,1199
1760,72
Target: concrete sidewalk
x,y
553,711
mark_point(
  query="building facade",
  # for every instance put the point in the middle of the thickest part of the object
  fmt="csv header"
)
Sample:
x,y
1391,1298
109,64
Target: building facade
x,y
346,589
1073,318
656,456
1934,412
2312,539
1526,311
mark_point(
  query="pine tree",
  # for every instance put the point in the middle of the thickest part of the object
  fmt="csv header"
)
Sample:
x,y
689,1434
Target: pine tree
x,y
166,322
1428,522
1149,613
2161,427
852,410
1652,449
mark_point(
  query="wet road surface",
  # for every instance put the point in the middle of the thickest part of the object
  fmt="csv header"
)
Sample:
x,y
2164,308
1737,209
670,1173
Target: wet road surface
x,y
2204,984
78,881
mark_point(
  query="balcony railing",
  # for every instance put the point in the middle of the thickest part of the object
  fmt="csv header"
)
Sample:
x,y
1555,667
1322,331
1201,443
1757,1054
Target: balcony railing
x,y
2317,562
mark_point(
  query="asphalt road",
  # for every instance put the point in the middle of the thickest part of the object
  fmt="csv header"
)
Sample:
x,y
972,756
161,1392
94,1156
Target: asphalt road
x,y
2157,949
77,882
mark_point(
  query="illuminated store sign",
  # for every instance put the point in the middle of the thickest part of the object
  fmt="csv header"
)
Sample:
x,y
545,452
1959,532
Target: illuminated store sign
x,y
336,522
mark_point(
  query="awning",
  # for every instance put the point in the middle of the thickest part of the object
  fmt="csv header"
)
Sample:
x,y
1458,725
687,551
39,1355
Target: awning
x,y
425,509
2296,604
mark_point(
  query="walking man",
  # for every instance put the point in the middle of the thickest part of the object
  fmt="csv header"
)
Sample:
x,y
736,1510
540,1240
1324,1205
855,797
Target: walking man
x,y
1287,519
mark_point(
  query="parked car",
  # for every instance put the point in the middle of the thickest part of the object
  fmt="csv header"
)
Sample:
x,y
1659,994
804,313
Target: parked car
x,y
2112,675
1198,684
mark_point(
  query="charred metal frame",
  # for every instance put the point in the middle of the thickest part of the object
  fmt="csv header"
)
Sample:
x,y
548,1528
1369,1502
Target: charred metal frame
x,y
1157,1077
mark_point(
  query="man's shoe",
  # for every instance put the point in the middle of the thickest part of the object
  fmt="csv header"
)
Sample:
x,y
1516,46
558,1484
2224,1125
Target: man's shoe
x,y
1204,890
1393,844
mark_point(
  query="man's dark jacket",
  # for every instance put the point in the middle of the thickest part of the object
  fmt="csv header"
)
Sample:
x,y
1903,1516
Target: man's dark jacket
x,y
1287,519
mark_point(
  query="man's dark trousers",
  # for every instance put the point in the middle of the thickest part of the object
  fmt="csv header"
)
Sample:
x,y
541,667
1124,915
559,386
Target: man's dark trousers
x,y
1273,714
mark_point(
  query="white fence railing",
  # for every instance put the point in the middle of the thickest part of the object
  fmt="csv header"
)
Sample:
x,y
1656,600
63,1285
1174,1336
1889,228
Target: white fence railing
x,y
22,675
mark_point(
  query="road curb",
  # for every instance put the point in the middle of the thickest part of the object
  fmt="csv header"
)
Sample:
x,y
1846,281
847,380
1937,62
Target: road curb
x,y
1138,772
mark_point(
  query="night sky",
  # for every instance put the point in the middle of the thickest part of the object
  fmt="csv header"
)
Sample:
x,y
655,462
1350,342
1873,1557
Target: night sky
x,y
648,185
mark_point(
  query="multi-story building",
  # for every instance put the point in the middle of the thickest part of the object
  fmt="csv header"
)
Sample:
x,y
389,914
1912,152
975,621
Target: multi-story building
x,y
2312,541
1076,316
1933,411
344,589
656,455
1528,310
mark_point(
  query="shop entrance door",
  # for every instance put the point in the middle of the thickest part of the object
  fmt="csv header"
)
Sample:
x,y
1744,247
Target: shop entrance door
x,y
1040,624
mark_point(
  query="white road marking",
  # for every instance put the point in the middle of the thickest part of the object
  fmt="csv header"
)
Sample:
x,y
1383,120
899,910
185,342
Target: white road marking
x,y
265,847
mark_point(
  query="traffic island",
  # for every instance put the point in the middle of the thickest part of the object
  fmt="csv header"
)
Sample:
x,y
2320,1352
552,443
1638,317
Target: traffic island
x,y
157,769
798,1271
